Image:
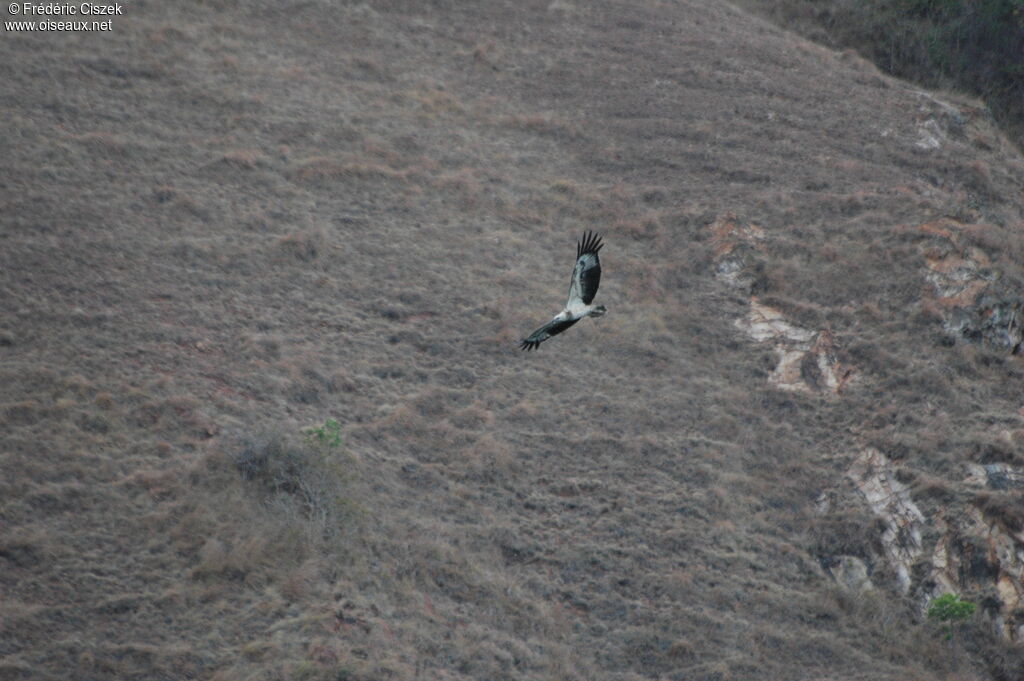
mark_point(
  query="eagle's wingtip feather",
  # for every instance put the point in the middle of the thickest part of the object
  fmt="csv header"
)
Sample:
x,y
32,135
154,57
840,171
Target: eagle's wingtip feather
x,y
591,243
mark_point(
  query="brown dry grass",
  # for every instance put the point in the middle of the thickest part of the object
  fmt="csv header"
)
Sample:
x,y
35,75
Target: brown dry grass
x,y
353,212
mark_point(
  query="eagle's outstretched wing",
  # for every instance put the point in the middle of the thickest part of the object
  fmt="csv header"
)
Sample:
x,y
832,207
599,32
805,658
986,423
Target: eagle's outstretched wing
x,y
552,328
586,275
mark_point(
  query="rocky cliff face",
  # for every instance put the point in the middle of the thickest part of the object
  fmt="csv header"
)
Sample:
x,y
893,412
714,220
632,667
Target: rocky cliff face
x,y
808,360
963,545
955,549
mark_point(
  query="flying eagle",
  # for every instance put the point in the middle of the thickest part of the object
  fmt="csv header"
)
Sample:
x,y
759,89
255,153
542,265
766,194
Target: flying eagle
x,y
586,276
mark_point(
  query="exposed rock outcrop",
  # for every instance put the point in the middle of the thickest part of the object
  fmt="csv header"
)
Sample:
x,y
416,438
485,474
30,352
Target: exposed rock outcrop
x,y
973,553
850,572
997,476
808,360
735,243
967,289
889,499
992,320
957,548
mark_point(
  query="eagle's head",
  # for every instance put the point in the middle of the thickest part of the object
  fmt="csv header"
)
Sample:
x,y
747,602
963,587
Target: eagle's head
x,y
598,311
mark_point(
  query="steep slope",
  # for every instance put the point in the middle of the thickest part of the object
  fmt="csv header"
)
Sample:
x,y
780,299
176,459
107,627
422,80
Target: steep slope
x,y
229,222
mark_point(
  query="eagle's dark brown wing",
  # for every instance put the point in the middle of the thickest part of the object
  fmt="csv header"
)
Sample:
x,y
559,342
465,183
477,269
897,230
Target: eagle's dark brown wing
x,y
552,328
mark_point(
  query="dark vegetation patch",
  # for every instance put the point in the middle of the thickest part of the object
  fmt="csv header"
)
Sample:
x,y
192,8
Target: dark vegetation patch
x,y
973,46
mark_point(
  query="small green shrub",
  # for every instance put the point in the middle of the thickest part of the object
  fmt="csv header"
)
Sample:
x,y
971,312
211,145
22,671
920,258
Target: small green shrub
x,y
328,435
952,612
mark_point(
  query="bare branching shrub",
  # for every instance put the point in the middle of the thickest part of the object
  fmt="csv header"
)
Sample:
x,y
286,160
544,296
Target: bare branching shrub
x,y
845,533
1003,507
306,478
304,246
537,124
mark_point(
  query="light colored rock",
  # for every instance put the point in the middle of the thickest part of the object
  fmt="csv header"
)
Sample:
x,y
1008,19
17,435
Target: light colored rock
x,y
929,135
964,540
765,323
1004,552
957,274
890,500
729,231
938,122
965,289
733,240
945,578
807,360
998,476
850,573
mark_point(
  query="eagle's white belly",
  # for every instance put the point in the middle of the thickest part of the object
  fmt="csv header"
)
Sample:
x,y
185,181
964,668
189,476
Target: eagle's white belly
x,y
576,310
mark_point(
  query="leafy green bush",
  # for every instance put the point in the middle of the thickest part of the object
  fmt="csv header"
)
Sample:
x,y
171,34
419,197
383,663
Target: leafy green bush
x,y
327,435
951,611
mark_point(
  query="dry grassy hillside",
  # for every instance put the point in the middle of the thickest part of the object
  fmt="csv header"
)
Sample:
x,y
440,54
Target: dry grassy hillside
x,y
226,223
